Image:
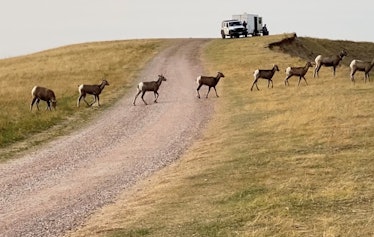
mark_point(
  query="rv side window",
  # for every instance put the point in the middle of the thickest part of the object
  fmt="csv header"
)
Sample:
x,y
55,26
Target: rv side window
x,y
260,20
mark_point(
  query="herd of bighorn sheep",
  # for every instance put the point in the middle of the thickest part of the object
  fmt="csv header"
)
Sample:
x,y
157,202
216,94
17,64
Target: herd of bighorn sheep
x,y
47,95
327,61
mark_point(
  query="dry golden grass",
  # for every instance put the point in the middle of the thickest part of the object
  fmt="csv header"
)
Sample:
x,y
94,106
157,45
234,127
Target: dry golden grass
x,y
62,70
287,161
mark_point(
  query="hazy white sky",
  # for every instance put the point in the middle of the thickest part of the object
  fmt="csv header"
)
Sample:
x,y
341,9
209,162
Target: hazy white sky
x,y
29,26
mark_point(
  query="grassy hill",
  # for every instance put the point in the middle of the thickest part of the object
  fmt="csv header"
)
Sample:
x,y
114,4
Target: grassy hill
x,y
284,161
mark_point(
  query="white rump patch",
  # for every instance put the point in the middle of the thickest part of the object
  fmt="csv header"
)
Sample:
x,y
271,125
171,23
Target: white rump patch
x,y
198,79
80,88
33,90
288,71
318,59
352,63
256,73
140,86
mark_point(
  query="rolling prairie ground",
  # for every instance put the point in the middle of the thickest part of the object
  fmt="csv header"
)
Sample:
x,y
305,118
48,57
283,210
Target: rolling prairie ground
x,y
283,161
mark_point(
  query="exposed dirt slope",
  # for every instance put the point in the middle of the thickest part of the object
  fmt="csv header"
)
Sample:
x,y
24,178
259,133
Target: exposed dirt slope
x,y
53,189
309,48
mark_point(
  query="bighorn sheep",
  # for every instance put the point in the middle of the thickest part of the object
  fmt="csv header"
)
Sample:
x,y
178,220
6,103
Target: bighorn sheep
x,y
149,86
264,74
94,90
208,81
297,71
362,66
328,62
42,93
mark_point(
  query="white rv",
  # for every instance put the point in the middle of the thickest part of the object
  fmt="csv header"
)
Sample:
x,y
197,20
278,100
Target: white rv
x,y
254,23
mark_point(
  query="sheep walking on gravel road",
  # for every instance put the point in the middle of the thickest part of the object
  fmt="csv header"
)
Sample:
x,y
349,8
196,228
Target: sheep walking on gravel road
x,y
208,81
143,87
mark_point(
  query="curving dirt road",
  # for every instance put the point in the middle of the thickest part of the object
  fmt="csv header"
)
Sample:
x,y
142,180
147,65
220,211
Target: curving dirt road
x,y
54,189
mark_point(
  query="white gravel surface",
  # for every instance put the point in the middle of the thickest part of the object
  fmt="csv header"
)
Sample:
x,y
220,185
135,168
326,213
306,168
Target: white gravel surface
x,y
53,189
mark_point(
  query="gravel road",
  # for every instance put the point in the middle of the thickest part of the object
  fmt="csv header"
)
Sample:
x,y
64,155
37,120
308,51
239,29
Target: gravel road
x,y
53,189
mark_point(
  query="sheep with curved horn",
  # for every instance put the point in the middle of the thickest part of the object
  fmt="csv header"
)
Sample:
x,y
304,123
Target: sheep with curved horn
x,y
332,61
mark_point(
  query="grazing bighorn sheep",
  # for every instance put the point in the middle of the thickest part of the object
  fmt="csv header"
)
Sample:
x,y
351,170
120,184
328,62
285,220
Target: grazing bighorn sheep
x,y
297,71
42,93
362,66
332,61
149,86
94,90
264,74
208,81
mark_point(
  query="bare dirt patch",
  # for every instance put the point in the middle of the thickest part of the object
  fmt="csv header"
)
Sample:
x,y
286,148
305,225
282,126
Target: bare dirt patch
x,y
53,189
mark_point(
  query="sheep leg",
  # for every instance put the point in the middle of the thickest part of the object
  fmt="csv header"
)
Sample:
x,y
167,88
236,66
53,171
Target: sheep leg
x,y
93,101
353,74
316,70
215,91
254,83
156,96
305,80
198,88
270,80
334,69
207,92
84,98
79,100
32,103
286,81
139,91
143,98
98,100
300,80
366,76
37,103
48,105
